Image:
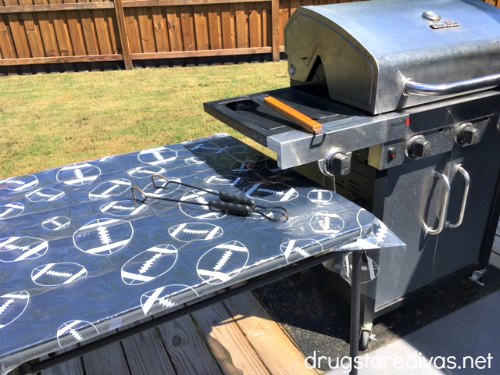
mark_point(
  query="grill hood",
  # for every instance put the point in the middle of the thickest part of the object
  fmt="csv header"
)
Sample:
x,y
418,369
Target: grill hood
x,y
365,53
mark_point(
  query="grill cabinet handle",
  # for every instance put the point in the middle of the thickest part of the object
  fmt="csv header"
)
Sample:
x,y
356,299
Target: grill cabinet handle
x,y
435,89
444,208
466,177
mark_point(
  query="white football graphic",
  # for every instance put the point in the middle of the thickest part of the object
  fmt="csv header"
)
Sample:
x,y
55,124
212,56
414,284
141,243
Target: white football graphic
x,y
242,166
78,174
193,160
149,264
45,195
369,269
222,262
166,297
205,148
145,171
56,223
110,189
163,189
301,248
365,221
198,211
19,184
325,222
12,306
224,181
320,196
157,156
187,232
103,236
55,274
9,210
75,331
269,192
123,208
16,249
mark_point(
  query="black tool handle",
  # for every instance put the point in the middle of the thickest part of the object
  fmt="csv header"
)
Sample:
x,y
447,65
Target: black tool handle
x,y
230,208
236,198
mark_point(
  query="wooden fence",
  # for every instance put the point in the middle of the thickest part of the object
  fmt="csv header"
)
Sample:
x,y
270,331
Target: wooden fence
x,y
64,31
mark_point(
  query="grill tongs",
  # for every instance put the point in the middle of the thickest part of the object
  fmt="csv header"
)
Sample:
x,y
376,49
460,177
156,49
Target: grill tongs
x,y
229,203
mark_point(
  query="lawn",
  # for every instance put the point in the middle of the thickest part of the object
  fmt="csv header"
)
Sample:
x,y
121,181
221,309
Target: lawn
x,y
50,120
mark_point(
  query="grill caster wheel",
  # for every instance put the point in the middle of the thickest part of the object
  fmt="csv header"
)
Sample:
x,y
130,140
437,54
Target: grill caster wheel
x,y
364,340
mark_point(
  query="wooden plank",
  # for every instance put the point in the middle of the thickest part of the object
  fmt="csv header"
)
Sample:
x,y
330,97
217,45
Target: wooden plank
x,y
242,39
47,33
273,346
214,27
32,33
54,7
89,32
160,30
162,3
267,25
146,30
201,28
276,29
73,367
113,30
107,360
255,25
75,31
60,59
174,29
187,25
187,348
146,355
228,27
61,30
207,53
133,34
6,42
18,33
102,31
226,341
122,34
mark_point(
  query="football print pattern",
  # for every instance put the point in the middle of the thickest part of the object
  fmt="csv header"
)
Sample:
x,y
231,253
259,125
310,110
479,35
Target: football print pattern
x,y
198,211
56,274
56,223
163,190
222,262
187,232
193,160
365,222
9,210
19,184
369,269
78,174
108,189
205,148
325,222
123,208
74,332
45,195
223,180
320,196
270,192
166,297
12,306
149,264
145,171
16,249
103,236
157,156
300,248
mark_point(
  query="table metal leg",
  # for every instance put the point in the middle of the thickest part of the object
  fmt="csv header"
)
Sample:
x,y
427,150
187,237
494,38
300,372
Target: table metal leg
x,y
355,307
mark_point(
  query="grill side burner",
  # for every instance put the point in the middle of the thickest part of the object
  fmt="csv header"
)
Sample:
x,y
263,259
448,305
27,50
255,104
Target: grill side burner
x,y
426,165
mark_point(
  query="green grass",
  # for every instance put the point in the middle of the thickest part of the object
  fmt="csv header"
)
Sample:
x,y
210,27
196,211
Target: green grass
x,y
51,120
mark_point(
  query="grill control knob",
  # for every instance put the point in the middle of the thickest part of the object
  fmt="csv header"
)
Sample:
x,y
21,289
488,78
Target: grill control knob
x,y
467,134
337,163
418,147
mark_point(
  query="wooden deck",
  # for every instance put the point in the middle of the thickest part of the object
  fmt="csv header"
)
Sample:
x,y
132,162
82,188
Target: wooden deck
x,y
236,336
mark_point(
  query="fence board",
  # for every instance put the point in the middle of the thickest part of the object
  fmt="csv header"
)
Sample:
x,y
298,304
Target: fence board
x,y
34,32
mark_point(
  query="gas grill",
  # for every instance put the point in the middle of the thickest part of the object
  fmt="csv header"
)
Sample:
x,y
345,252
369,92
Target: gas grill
x,y
408,101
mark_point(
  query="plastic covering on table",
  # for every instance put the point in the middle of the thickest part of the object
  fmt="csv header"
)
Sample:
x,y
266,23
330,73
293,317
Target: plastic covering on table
x,y
79,257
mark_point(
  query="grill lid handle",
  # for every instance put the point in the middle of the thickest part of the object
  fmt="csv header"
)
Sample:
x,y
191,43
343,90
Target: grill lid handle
x,y
435,89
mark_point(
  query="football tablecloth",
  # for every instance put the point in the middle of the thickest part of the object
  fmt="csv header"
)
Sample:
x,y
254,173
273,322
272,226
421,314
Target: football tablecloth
x,y
80,257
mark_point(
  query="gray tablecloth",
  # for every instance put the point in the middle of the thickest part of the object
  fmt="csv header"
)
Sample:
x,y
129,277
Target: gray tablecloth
x,y
79,257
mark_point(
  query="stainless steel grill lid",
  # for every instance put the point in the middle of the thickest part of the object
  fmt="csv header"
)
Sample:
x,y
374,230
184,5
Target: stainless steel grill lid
x,y
383,55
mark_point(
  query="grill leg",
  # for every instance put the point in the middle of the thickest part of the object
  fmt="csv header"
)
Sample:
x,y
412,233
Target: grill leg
x,y
355,308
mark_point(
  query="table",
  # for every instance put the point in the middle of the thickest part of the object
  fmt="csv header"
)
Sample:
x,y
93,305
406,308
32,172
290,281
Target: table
x,y
79,257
